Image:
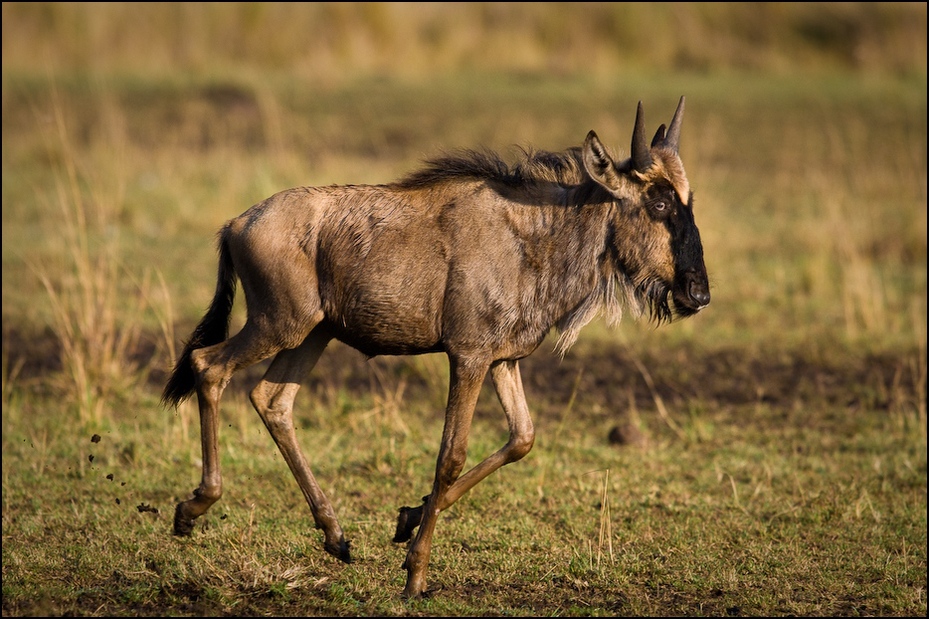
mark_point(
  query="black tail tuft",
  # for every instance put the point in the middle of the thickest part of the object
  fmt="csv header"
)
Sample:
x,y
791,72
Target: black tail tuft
x,y
213,329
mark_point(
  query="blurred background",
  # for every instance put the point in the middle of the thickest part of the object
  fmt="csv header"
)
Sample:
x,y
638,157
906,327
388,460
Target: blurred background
x,y
132,131
340,40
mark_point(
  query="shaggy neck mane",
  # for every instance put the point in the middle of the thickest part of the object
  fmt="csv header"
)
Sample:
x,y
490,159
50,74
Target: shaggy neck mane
x,y
534,169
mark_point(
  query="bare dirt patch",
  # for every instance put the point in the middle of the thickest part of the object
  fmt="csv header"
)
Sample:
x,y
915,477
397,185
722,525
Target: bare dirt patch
x,y
605,374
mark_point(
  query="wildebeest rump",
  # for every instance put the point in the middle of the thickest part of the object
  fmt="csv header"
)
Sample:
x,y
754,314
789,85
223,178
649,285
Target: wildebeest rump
x,y
469,256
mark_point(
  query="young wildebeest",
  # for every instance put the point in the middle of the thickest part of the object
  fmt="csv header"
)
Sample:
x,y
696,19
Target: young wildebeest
x,y
469,257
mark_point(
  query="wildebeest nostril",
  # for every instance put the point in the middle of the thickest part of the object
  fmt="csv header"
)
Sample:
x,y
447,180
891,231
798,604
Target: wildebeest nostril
x,y
699,293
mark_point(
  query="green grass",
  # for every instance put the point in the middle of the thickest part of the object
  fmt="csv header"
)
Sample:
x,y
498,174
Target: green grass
x,y
778,465
801,510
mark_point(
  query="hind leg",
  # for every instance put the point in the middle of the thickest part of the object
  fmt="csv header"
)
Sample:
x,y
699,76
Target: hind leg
x,y
273,398
214,366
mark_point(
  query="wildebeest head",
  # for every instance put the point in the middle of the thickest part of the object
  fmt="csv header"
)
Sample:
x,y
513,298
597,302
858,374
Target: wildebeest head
x,y
655,241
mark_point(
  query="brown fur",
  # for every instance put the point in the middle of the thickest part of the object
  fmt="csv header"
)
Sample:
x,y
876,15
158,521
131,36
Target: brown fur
x,y
468,256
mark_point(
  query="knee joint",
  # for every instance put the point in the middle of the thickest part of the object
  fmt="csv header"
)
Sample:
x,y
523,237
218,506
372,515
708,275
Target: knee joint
x,y
271,411
450,470
519,446
260,400
209,376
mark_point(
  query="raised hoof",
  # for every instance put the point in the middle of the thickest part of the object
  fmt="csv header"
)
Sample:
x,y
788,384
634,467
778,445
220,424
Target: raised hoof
x,y
183,526
339,550
407,520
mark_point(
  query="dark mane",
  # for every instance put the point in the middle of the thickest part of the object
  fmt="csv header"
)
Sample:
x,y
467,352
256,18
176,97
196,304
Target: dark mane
x,y
535,167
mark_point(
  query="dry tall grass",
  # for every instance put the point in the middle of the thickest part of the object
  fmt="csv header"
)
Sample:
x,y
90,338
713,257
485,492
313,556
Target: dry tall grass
x,y
95,299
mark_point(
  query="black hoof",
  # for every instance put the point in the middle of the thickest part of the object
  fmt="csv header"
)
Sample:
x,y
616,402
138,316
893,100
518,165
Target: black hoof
x,y
339,550
407,520
183,526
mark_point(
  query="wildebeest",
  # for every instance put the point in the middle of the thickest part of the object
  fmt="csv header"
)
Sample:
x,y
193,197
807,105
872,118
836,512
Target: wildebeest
x,y
468,256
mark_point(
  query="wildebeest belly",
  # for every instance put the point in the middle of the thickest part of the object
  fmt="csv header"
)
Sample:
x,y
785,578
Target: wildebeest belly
x,y
387,299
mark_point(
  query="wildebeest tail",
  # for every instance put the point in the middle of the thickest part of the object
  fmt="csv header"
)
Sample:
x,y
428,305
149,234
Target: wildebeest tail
x,y
213,329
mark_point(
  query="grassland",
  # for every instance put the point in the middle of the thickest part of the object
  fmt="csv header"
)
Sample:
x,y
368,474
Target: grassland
x,y
766,457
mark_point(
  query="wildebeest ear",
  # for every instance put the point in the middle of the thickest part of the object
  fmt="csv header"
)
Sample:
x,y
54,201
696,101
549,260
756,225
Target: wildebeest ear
x,y
598,162
659,136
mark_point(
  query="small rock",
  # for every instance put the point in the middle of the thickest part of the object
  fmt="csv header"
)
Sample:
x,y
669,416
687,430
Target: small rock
x,y
626,434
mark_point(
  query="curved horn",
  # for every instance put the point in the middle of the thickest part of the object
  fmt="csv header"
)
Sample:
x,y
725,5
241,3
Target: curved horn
x,y
641,158
673,139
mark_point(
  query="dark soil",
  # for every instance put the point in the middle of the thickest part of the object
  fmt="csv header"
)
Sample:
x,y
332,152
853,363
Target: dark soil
x,y
603,373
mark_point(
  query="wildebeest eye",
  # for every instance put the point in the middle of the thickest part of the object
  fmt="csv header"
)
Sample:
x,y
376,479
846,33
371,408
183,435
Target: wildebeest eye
x,y
659,206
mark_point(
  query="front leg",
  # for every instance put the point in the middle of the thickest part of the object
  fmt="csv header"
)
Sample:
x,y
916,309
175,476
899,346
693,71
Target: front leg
x,y
417,556
464,389
510,393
